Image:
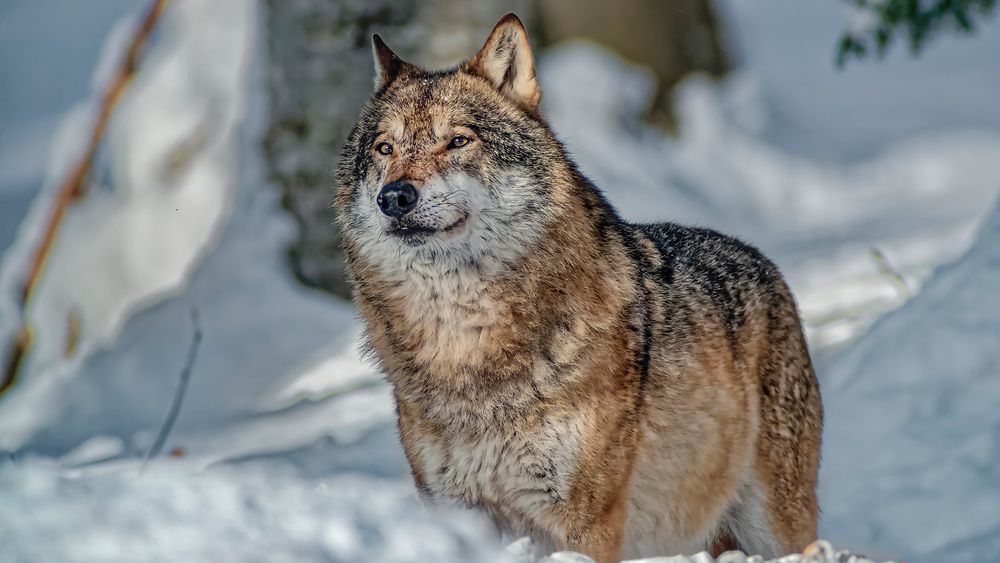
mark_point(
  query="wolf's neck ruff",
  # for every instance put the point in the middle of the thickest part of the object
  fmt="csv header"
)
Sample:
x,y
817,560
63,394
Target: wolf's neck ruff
x,y
467,331
610,388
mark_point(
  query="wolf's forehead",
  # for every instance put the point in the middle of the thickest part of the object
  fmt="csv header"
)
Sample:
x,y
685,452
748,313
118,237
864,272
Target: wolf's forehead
x,y
429,122
426,108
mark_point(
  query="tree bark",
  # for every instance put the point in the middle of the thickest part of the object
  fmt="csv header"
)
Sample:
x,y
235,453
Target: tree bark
x,y
674,38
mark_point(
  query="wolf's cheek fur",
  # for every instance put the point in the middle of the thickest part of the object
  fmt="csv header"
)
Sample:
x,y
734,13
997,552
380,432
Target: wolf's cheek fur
x,y
496,223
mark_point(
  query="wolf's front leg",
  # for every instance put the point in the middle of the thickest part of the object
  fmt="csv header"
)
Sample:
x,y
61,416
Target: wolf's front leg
x,y
601,537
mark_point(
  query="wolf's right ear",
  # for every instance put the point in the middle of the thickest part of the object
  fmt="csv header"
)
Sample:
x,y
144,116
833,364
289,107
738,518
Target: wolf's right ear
x,y
388,66
506,61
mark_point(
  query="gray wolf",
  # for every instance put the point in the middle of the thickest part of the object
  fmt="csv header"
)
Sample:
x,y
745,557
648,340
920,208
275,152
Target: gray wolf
x,y
613,388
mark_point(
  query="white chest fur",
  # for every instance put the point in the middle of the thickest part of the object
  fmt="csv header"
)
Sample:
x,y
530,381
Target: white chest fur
x,y
506,453
452,313
518,471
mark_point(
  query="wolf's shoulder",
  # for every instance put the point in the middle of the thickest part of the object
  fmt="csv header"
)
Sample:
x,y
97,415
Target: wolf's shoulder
x,y
709,256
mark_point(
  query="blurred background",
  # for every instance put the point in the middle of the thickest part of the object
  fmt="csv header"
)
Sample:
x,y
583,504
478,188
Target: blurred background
x,y
179,375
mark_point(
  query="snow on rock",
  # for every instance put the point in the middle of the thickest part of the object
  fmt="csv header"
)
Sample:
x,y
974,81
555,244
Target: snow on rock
x,y
819,552
913,420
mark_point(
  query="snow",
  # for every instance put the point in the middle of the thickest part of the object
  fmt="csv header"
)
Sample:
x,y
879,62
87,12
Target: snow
x,y
32,105
811,216
244,514
818,552
916,399
155,221
286,445
849,114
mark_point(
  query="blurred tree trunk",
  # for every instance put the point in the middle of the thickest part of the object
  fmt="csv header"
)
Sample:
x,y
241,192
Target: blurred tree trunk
x,y
672,37
319,75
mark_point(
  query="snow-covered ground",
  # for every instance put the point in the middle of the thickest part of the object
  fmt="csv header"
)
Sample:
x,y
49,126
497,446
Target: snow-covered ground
x,y
265,514
285,447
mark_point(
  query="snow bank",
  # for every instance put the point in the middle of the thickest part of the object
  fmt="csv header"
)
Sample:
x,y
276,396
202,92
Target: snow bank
x,y
245,514
272,351
917,200
173,149
852,114
913,422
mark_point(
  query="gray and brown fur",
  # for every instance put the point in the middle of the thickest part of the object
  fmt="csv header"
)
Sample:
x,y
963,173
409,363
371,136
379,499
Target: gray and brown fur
x,y
607,387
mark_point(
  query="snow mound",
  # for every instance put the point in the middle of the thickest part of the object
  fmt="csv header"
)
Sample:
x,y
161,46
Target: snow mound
x,y
161,200
912,413
916,199
245,514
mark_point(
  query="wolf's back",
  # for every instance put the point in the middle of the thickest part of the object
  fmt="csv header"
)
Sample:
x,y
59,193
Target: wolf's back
x,y
697,262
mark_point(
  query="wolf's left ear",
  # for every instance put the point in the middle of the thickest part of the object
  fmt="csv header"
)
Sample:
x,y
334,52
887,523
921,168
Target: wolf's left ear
x,y
506,61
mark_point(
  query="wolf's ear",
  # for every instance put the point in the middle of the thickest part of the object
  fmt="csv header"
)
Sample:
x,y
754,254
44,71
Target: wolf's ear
x,y
506,61
388,65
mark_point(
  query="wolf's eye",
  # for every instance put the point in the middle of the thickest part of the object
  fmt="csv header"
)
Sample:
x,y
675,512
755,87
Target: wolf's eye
x,y
458,141
384,148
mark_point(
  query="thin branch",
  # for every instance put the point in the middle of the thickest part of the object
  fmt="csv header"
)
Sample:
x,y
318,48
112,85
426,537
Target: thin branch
x,y
886,268
15,357
175,407
341,391
73,187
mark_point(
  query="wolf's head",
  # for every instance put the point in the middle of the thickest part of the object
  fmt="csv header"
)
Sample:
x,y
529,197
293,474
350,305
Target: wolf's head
x,y
452,167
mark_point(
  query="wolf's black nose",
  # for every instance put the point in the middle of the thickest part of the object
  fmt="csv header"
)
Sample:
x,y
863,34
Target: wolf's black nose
x,y
397,199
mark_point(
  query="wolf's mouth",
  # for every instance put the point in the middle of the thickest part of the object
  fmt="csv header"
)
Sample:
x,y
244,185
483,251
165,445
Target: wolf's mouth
x,y
415,235
411,230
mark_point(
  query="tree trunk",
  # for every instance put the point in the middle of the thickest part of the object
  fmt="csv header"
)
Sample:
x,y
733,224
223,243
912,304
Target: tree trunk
x,y
672,37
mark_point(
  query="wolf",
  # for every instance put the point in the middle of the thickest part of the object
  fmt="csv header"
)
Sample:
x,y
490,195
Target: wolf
x,y
612,388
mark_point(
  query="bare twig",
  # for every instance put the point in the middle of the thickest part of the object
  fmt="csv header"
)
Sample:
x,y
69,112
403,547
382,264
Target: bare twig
x,y
73,187
15,357
339,391
175,407
72,333
889,271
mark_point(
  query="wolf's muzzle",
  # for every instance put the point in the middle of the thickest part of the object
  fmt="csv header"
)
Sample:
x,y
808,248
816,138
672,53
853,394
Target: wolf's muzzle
x,y
397,199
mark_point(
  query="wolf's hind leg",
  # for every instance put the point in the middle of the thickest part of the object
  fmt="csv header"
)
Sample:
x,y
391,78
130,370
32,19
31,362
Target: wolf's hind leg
x,y
788,443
